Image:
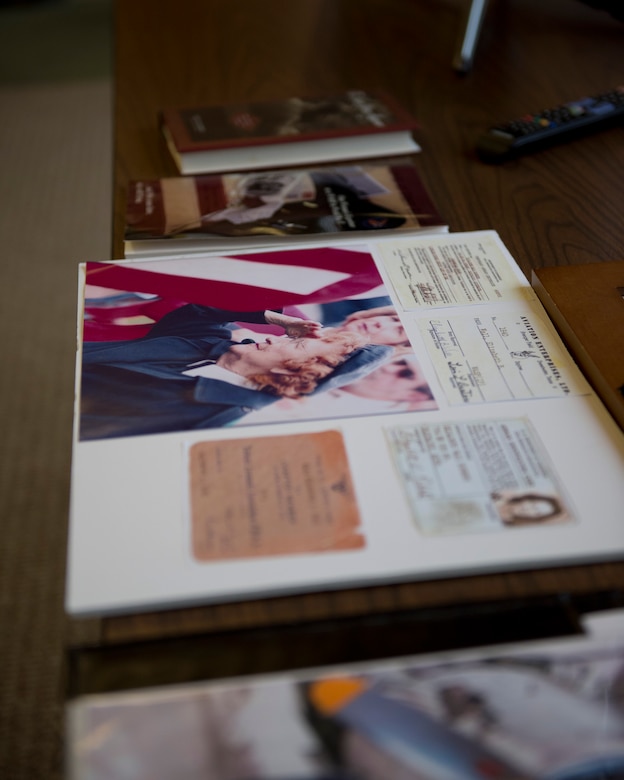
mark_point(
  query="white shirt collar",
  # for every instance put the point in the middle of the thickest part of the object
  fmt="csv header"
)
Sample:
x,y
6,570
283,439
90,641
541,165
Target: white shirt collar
x,y
213,371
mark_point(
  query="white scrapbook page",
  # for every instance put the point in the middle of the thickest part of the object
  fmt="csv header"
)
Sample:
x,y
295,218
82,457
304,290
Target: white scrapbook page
x,y
327,416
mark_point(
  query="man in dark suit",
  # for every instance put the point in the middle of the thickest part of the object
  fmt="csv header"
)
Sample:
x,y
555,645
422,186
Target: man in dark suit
x,y
188,373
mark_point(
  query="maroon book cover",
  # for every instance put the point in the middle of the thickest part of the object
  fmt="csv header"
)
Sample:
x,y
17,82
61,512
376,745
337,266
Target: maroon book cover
x,y
355,112
321,200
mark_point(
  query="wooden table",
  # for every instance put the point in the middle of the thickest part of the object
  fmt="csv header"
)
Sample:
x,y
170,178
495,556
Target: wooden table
x,y
556,208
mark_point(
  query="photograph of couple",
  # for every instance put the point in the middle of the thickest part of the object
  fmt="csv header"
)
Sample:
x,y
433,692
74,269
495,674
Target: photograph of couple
x,y
206,342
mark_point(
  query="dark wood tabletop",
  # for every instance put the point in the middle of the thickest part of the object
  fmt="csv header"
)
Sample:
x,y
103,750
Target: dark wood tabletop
x,y
555,208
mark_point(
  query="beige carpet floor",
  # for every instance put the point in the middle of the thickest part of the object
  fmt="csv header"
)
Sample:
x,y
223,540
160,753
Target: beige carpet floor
x,y
55,211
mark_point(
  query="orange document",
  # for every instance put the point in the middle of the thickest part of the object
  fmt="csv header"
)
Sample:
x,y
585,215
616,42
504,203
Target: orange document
x,y
272,496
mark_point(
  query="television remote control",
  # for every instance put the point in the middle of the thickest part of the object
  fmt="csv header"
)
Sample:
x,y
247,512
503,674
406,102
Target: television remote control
x,y
536,131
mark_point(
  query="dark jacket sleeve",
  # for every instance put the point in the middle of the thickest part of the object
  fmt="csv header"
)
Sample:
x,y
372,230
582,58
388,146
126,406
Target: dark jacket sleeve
x,y
187,319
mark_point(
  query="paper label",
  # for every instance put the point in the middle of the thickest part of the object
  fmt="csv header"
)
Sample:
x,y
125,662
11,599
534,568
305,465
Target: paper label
x,y
497,358
450,271
267,496
485,475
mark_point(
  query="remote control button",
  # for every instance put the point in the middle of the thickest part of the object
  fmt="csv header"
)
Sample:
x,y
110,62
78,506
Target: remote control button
x,y
533,131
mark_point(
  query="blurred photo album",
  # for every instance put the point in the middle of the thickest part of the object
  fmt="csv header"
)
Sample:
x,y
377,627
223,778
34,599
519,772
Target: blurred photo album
x,y
263,208
544,709
327,415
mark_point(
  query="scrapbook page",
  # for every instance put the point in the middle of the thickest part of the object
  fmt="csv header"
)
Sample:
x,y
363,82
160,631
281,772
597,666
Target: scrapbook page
x,y
326,416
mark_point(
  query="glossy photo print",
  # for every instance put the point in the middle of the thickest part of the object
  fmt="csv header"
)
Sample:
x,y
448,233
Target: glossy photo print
x,y
182,344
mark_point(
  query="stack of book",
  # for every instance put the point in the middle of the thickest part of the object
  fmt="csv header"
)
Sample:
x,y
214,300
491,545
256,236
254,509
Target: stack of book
x,y
239,196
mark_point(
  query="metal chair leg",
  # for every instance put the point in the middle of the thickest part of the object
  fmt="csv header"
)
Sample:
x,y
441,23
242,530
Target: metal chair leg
x,y
464,56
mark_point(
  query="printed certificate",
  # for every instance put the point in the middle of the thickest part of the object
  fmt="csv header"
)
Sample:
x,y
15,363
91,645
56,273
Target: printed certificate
x,y
451,271
497,358
272,496
485,475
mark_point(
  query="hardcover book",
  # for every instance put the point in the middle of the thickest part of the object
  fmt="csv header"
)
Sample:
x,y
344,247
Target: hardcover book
x,y
230,211
330,415
292,131
586,303
542,709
